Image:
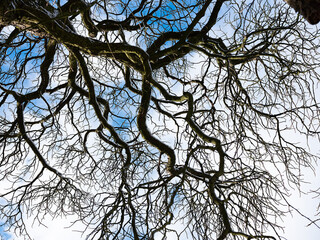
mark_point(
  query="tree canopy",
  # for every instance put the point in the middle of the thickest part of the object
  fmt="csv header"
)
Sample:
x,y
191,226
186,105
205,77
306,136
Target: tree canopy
x,y
156,119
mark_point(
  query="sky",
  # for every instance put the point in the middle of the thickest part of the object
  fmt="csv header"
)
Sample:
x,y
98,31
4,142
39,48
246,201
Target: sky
x,y
295,225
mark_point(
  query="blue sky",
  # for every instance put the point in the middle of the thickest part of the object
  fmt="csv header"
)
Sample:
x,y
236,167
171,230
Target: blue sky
x,y
4,235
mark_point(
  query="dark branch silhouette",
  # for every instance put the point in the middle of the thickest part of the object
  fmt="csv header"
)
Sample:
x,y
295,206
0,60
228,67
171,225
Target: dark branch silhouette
x,y
309,9
156,119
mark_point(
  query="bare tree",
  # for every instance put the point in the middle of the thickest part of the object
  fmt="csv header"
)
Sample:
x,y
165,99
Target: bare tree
x,y
153,119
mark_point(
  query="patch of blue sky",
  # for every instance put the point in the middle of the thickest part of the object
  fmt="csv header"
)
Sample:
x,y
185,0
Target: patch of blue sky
x,y
54,2
26,59
20,65
120,122
4,235
122,104
163,20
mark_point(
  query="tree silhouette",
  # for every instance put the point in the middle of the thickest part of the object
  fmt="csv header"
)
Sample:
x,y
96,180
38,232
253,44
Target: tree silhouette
x,y
154,119
309,9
